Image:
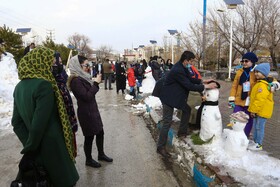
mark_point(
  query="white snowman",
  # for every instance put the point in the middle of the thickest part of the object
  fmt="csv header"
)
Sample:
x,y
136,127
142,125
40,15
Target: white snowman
x,y
236,141
211,119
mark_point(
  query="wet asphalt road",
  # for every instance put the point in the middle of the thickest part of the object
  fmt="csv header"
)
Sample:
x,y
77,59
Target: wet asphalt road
x,y
127,141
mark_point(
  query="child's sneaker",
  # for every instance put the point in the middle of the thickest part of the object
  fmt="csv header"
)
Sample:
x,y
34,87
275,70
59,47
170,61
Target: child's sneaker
x,y
257,147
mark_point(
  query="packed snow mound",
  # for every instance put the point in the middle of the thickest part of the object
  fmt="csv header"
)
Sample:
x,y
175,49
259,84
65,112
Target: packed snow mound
x,y
8,81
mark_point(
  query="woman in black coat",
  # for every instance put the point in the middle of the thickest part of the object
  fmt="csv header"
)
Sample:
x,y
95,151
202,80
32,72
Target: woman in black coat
x,y
120,77
85,89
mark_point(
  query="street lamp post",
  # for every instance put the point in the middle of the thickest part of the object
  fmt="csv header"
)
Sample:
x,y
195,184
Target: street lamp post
x,y
172,33
142,51
230,50
203,34
231,4
153,42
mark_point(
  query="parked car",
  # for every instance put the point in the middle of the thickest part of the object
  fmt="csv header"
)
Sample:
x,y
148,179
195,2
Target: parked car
x,y
235,68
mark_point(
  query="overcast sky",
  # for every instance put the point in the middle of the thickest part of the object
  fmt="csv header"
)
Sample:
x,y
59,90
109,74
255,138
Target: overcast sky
x,y
121,24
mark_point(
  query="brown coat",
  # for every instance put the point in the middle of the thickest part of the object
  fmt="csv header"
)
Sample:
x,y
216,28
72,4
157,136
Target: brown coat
x,y
88,113
107,67
236,89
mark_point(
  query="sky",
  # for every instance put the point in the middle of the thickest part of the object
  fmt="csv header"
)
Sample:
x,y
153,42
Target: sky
x,y
251,168
121,24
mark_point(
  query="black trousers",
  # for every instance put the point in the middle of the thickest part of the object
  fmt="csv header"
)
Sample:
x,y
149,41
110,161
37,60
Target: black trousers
x,y
99,143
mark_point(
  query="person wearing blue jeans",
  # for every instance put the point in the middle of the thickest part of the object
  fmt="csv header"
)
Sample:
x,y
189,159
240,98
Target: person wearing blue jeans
x,y
258,129
261,103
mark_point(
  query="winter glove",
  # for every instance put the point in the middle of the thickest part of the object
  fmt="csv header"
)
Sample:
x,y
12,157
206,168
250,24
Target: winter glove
x,y
27,161
253,115
231,104
275,86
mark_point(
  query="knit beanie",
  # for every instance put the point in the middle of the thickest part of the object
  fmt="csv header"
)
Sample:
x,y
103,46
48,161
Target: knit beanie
x,y
250,56
264,68
240,116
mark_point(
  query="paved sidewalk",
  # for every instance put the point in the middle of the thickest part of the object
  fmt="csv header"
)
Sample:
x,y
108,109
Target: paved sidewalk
x,y
272,130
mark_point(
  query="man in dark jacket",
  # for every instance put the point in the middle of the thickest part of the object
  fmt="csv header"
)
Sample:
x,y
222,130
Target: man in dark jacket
x,y
29,48
174,94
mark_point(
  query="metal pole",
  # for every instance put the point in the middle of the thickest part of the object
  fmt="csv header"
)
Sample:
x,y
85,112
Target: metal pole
x,y
203,34
172,50
219,53
230,49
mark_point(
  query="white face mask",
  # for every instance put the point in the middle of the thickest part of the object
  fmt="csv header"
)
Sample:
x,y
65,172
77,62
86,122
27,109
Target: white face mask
x,y
188,65
122,66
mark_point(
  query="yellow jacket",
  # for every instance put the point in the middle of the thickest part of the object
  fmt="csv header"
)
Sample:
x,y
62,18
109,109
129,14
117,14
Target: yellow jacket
x,y
236,89
261,100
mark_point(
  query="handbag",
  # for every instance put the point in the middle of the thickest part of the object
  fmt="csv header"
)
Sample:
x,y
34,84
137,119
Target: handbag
x,y
35,177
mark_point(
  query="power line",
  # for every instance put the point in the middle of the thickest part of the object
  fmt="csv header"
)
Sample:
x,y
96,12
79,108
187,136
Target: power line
x,y
15,20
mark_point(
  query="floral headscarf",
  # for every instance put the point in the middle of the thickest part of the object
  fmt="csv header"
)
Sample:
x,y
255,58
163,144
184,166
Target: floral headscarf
x,y
37,64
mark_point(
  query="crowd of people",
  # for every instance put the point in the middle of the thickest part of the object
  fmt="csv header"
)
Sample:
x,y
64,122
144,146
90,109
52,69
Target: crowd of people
x,y
45,122
120,72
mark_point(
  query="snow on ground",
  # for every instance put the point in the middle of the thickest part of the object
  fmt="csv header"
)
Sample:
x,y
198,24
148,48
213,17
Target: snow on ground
x,y
8,80
252,169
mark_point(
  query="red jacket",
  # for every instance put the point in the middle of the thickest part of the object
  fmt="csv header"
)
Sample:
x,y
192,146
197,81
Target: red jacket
x,y
131,77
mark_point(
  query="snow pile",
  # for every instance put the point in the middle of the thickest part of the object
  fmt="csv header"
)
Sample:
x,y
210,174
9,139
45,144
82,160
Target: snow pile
x,y
252,169
8,81
153,102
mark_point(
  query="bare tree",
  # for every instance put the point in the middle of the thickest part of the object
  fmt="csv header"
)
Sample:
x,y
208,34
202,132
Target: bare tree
x,y
193,41
81,43
272,32
167,47
104,52
248,25
255,27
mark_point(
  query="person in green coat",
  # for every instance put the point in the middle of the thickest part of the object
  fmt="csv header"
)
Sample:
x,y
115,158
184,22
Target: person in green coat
x,y
40,119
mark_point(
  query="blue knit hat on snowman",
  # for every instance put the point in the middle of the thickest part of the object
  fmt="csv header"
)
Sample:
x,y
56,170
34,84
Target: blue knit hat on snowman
x,y
264,68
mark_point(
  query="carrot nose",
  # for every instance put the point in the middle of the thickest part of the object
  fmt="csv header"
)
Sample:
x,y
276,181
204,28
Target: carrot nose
x,y
230,125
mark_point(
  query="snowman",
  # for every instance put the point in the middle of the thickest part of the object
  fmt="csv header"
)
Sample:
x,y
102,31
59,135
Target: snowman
x,y
211,119
236,141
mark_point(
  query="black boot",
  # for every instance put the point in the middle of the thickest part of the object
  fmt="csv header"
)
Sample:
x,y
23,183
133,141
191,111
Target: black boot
x,y
138,90
93,163
134,94
100,148
89,161
105,158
